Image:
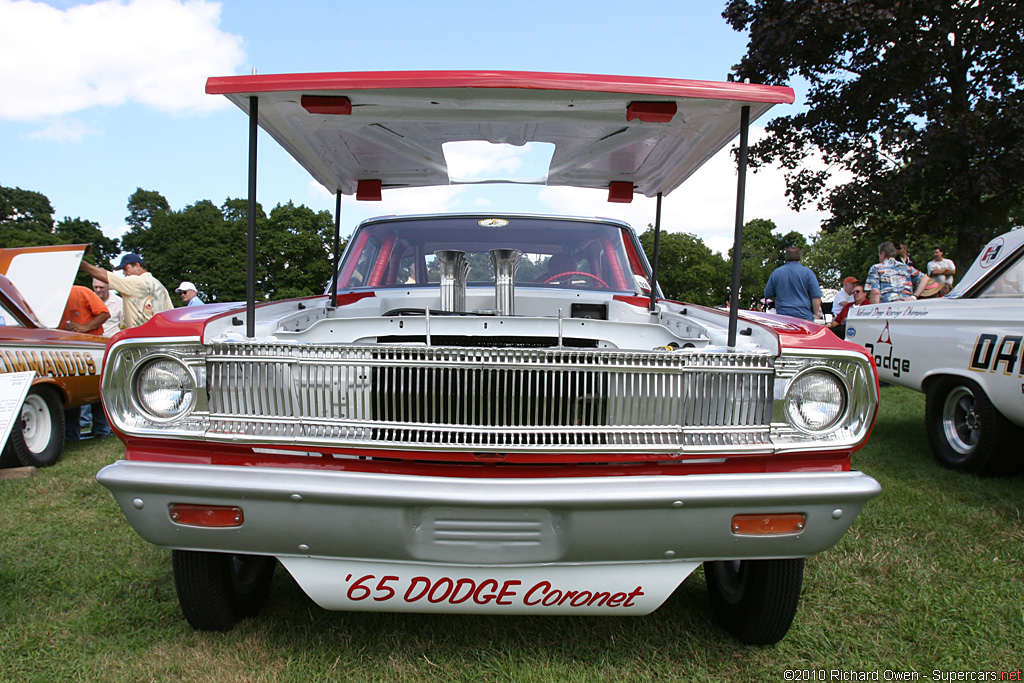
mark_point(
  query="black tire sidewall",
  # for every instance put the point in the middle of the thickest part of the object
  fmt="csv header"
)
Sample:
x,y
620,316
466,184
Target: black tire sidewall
x,y
992,454
210,592
51,453
759,606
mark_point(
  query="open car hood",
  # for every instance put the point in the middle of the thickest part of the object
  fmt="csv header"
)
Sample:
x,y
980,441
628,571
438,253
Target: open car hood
x,y
647,134
43,277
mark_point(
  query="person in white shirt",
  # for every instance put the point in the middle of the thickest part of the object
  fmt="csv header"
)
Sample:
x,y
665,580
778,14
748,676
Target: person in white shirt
x,y
113,303
93,414
844,295
940,268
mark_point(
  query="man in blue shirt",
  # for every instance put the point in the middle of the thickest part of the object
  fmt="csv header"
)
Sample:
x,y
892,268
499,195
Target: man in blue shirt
x,y
795,288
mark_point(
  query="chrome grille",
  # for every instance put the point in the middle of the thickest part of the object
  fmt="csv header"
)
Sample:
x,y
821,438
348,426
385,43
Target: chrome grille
x,y
488,399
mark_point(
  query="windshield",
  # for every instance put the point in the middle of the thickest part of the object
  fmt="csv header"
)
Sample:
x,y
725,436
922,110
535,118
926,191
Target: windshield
x,y
554,252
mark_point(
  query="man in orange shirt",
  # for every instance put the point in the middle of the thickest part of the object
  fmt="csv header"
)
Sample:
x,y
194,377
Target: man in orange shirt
x,y
84,312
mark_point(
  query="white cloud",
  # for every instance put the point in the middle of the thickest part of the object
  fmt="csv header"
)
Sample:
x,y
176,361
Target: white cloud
x,y
64,130
155,52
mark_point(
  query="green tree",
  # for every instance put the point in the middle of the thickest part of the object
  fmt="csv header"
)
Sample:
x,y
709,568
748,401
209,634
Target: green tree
x,y
920,101
296,250
206,244
763,251
81,231
143,206
26,218
687,269
196,244
839,254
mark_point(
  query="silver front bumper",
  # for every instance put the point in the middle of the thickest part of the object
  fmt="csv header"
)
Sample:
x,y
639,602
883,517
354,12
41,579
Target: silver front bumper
x,y
487,522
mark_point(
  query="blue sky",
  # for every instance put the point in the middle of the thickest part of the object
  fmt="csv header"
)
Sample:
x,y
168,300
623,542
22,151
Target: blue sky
x,y
99,98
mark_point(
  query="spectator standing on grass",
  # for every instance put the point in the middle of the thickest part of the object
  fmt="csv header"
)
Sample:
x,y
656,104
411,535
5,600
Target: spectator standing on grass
x,y
795,288
903,255
187,290
143,295
93,414
114,306
84,313
940,268
892,280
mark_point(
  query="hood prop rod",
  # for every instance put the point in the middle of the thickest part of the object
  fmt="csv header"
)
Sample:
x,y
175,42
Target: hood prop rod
x,y
250,249
337,248
737,246
657,248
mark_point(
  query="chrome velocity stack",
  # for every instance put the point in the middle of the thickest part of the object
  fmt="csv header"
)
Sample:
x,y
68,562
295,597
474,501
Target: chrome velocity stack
x,y
505,262
454,269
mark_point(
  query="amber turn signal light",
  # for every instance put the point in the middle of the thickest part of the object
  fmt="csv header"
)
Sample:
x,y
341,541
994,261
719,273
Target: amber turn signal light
x,y
211,516
768,524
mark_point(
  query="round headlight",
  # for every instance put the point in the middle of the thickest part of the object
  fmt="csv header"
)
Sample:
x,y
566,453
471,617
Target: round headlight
x,y
164,388
816,401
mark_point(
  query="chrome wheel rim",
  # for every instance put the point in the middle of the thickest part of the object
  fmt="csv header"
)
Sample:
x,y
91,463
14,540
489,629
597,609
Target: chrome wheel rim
x,y
961,424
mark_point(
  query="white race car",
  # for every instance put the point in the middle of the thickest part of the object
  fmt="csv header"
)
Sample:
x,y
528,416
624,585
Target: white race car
x,y
963,351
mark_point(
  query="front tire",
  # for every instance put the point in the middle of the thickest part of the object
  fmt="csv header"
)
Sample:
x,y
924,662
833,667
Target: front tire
x,y
967,433
216,590
755,600
37,438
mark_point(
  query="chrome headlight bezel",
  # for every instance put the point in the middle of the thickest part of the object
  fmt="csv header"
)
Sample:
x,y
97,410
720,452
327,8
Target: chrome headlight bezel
x,y
144,406
842,402
855,373
131,417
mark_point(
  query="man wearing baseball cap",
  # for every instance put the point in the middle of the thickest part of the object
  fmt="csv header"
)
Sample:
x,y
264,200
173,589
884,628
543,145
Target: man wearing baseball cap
x,y
187,290
142,293
844,295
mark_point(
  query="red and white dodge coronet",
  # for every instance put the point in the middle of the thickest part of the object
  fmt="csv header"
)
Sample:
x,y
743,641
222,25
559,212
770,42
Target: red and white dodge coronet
x,y
496,412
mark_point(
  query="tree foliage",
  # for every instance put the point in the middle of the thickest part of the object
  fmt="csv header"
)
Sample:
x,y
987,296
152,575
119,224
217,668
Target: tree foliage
x,y
296,251
80,231
206,244
26,218
836,255
687,269
143,206
763,251
919,100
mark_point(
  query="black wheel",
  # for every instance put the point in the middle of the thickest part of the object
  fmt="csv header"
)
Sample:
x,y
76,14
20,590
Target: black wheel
x,y
966,431
37,438
216,590
755,600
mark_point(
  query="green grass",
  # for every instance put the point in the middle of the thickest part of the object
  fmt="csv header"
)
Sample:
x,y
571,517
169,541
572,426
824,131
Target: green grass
x,y
930,577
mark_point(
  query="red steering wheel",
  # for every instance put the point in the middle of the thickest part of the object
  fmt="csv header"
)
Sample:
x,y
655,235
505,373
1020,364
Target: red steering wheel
x,y
577,272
